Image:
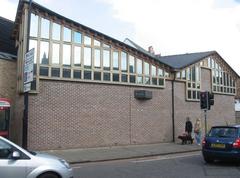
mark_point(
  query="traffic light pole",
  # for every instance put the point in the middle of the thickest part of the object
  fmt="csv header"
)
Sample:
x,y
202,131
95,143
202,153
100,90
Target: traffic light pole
x,y
205,116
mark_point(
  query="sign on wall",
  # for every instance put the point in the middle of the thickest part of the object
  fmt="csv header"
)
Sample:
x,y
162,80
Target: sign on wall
x,y
28,69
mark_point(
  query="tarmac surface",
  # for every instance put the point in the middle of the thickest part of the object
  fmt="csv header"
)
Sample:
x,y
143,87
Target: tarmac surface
x,y
74,156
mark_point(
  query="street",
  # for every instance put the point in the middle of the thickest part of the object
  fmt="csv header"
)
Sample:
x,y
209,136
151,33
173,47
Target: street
x,y
187,165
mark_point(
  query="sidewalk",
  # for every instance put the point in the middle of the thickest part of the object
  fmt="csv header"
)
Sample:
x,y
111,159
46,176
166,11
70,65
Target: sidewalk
x,y
121,152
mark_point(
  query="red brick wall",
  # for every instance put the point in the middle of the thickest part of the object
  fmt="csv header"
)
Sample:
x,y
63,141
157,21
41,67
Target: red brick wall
x,y
73,115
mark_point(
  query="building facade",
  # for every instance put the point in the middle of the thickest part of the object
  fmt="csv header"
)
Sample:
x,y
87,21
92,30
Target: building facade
x,y
85,84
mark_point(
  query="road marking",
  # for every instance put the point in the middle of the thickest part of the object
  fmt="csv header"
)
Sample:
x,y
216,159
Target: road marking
x,y
158,158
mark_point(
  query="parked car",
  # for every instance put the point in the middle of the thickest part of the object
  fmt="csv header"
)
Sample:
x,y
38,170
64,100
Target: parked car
x,y
16,162
222,143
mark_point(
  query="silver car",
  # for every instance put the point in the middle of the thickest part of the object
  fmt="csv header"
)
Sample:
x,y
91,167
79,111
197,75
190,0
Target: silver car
x,y
15,162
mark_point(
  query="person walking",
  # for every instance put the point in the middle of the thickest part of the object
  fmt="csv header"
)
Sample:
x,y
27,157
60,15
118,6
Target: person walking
x,y
197,131
188,127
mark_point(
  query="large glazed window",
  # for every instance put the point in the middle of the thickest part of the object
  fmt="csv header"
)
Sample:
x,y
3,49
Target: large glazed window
x,y
64,53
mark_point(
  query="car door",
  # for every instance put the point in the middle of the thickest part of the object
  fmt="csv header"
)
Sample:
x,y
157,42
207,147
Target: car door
x,y
9,167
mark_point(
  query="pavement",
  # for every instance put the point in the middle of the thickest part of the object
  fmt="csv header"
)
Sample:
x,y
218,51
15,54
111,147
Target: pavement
x,y
74,156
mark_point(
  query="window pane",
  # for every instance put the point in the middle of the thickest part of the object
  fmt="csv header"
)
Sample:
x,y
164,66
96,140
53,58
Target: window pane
x,y
33,44
124,62
66,55
160,72
139,66
161,82
43,71
124,78
87,40
34,84
66,34
45,28
115,61
178,75
131,64
189,94
77,56
154,81
56,31
97,43
34,25
132,79
67,73
77,37
88,75
77,74
106,76
106,46
139,80
87,57
106,60
44,56
97,75
116,77
55,72
188,74
97,58
146,68
193,73
146,80
55,54
184,74
154,71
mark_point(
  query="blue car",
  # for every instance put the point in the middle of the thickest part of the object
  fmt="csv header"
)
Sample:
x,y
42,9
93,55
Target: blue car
x,y
222,143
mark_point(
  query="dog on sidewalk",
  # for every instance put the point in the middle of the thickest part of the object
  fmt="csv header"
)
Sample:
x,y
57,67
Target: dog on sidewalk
x,y
186,139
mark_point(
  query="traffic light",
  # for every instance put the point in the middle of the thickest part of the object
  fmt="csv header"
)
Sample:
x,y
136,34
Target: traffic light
x,y
210,100
204,100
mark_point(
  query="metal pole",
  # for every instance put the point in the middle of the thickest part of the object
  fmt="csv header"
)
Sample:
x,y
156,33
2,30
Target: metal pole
x,y
25,113
205,115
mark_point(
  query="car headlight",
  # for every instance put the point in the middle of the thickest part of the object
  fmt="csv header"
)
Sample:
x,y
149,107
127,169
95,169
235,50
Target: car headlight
x,y
65,163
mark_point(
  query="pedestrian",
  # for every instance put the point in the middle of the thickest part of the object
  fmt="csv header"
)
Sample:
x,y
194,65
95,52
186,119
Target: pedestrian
x,y
188,127
197,131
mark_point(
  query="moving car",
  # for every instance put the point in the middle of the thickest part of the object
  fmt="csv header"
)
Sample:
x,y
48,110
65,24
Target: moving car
x,y
15,162
222,143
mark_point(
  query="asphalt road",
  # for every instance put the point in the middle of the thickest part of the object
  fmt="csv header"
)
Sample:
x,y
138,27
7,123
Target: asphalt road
x,y
190,165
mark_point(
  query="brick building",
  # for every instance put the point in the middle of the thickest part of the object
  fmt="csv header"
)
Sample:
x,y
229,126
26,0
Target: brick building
x,y
84,92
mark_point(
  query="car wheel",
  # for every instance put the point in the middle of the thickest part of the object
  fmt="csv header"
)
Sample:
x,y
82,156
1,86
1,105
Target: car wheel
x,y
48,175
208,160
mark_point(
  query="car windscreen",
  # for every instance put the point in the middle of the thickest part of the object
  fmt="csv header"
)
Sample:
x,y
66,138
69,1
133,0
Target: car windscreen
x,y
228,132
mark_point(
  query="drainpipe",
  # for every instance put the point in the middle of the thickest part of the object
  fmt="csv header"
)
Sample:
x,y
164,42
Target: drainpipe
x,y
173,109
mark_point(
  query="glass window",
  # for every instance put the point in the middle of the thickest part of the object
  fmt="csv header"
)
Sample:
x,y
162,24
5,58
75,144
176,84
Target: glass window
x,y
97,58
77,37
131,64
124,62
124,78
197,73
146,80
77,56
178,75
97,43
146,68
97,75
209,62
132,79
43,71
154,71
184,74
55,53
106,76
193,73
34,25
87,75
115,60
105,45
161,82
139,80
66,55
87,40
44,49
116,77
33,44
34,84
67,34
139,66
188,74
55,72
56,31
166,74
45,28
160,72
154,81
67,73
106,60
77,74
87,57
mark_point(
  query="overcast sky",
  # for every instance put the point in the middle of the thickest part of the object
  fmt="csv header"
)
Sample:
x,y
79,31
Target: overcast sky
x,y
170,26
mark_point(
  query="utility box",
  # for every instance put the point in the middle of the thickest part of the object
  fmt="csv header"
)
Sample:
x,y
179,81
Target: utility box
x,y
142,94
